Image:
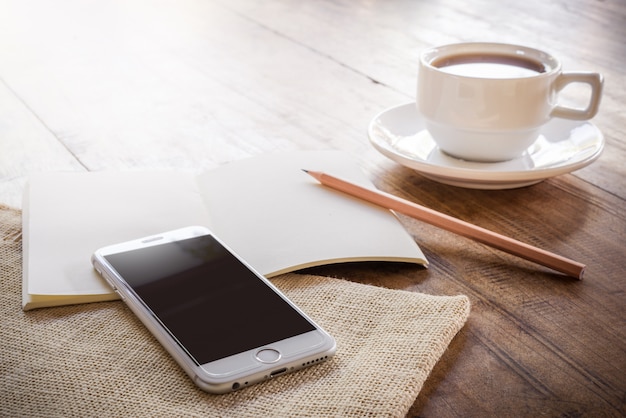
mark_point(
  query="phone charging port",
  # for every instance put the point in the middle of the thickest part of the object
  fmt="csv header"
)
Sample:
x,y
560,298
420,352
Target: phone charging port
x,y
277,372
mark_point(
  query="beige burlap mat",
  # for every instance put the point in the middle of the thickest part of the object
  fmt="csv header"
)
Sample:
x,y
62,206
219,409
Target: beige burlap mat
x,y
98,360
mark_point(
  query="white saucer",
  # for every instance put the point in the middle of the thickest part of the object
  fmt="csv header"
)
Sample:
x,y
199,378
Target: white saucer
x,y
562,147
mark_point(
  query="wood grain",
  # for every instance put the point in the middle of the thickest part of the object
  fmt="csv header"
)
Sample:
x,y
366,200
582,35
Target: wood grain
x,y
457,226
190,85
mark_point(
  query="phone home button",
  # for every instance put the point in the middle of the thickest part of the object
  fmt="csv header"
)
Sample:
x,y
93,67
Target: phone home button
x,y
268,355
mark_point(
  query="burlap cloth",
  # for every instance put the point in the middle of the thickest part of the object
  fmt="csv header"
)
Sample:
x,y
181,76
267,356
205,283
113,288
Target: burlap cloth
x,y
98,360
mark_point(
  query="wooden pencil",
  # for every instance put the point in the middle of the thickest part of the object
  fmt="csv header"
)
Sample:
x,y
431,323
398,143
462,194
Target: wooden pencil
x,y
554,261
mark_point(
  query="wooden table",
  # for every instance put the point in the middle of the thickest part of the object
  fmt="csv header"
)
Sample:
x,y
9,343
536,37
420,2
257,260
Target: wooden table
x,y
191,84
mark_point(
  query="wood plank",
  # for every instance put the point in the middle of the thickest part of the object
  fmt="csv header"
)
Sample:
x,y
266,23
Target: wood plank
x,y
148,104
135,85
544,342
382,44
26,146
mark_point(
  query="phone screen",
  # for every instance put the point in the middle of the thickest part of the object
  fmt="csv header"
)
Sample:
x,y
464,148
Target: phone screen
x,y
208,300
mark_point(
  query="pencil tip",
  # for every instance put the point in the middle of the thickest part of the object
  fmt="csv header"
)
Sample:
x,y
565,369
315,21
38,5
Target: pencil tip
x,y
306,171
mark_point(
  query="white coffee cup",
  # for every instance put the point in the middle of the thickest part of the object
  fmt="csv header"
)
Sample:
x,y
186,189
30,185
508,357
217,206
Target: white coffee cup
x,y
488,101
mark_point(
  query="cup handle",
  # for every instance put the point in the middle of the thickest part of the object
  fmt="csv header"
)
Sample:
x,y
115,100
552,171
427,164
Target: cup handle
x,y
594,80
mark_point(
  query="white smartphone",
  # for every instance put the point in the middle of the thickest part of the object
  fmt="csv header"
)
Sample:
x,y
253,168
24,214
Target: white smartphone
x,y
225,324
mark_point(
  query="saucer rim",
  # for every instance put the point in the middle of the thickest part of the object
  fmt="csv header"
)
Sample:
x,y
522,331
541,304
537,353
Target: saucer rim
x,y
475,177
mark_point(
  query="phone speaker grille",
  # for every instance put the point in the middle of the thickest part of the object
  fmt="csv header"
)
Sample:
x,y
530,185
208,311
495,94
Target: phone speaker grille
x,y
317,360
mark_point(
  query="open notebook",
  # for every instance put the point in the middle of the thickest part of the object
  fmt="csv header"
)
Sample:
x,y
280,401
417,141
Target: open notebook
x,y
266,208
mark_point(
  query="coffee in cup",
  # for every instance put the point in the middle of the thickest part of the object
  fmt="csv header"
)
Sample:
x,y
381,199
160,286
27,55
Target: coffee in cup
x,y
488,101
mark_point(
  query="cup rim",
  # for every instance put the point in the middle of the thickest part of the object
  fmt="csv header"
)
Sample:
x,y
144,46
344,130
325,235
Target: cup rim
x,y
550,61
